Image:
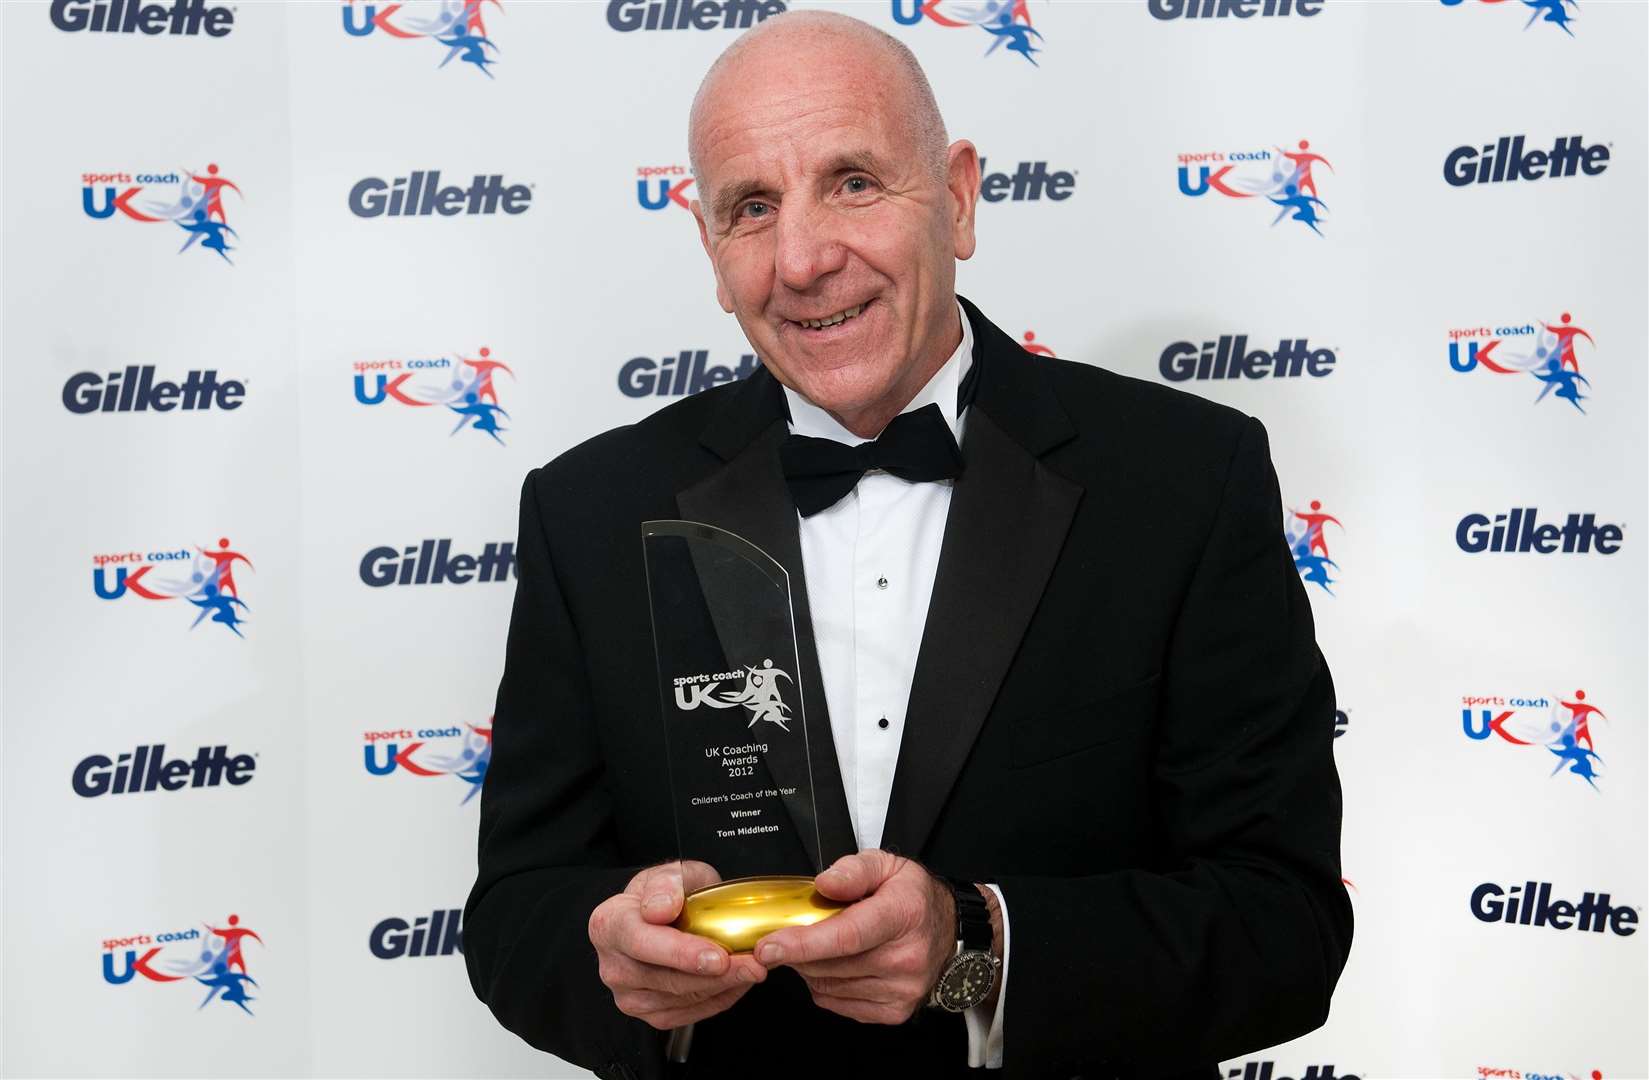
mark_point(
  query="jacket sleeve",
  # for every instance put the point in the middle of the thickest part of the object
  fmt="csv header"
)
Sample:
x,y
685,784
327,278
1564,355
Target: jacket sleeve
x,y
547,854
1236,941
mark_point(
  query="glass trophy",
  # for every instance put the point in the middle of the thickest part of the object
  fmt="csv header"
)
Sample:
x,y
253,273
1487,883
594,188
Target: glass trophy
x,y
735,731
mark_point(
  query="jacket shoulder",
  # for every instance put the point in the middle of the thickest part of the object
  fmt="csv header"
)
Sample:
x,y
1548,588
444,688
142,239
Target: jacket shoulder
x,y
666,441
1093,394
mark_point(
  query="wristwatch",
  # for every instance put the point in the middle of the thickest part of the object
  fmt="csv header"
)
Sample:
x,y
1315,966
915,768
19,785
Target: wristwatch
x,y
969,976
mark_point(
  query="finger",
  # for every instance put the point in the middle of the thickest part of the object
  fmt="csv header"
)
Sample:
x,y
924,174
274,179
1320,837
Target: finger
x,y
864,1011
853,877
667,947
874,990
620,973
703,1010
854,930
858,965
661,989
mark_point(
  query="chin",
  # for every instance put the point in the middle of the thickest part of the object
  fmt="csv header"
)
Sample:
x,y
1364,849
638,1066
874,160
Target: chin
x,y
839,396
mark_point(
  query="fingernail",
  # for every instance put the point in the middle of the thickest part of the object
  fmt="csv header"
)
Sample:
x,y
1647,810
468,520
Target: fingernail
x,y
746,974
660,900
708,960
771,954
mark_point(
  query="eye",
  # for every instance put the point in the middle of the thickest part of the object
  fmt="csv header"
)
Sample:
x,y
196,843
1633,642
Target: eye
x,y
754,210
857,185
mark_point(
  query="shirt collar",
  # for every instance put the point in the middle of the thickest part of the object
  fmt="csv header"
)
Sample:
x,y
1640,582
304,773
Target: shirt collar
x,y
807,418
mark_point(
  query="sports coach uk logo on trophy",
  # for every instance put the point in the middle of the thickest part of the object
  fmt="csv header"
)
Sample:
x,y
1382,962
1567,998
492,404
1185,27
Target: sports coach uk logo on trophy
x,y
760,693
741,774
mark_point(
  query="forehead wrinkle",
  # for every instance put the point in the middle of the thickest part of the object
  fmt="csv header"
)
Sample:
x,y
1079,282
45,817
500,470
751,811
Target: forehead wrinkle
x,y
841,131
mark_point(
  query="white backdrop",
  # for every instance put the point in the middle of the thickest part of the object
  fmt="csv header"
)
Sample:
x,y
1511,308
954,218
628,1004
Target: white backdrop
x,y
364,708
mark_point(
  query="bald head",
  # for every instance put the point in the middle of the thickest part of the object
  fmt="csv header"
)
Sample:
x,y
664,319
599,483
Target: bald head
x,y
804,46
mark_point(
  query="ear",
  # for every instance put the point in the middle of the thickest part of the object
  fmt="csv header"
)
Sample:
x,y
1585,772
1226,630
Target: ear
x,y
722,296
962,178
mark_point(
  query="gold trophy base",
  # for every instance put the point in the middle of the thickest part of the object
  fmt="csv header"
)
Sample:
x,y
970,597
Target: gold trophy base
x,y
738,913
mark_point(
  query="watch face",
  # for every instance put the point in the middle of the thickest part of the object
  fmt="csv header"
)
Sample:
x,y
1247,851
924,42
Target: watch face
x,y
967,982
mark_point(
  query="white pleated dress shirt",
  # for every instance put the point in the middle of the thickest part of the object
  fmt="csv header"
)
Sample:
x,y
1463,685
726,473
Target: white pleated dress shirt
x,y
870,561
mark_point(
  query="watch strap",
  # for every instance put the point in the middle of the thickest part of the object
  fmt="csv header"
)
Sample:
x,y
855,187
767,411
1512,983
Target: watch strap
x,y
973,916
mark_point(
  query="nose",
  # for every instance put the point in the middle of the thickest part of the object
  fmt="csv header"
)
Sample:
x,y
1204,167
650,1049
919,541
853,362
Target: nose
x,y
808,247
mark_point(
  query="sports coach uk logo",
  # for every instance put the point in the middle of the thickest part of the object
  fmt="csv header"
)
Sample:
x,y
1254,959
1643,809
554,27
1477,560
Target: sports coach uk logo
x,y
189,199
204,577
1008,22
1268,177
462,752
452,386
1547,352
457,26
1562,727
212,957
759,693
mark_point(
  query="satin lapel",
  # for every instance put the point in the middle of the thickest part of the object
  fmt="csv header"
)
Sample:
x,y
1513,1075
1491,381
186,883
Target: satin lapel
x,y
1009,516
748,496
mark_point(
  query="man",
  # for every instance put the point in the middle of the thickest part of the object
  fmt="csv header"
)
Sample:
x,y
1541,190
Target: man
x,y
1063,693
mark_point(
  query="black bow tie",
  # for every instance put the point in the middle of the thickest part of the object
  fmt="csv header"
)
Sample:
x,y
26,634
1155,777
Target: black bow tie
x,y
917,446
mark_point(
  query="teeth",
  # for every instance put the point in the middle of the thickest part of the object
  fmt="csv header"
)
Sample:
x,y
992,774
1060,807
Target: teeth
x,y
840,316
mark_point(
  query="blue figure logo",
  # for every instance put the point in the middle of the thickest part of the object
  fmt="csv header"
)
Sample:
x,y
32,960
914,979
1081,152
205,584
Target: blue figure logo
x,y
209,233
1302,205
216,602
1578,758
479,415
1016,35
1555,13
231,984
468,47
1555,376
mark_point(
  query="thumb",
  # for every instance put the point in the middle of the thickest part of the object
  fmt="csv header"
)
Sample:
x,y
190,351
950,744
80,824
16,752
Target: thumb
x,y
661,893
854,877
697,875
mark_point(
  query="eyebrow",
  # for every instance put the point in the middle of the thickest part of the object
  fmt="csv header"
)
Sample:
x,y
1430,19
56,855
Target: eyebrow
x,y
728,198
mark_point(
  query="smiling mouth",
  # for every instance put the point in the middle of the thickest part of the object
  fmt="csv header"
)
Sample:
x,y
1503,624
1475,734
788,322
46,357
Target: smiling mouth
x,y
832,320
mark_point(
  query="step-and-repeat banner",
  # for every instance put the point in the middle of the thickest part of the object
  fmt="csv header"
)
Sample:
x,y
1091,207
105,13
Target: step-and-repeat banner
x,y
296,294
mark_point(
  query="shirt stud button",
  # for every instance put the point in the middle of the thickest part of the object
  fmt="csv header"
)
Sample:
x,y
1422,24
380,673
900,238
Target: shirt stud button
x,y
882,723
881,583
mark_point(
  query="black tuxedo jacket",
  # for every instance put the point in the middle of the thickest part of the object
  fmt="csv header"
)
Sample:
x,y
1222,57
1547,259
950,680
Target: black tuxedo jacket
x,y
1119,715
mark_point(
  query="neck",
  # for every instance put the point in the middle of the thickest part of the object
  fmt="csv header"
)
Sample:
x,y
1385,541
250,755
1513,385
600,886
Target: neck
x,y
868,422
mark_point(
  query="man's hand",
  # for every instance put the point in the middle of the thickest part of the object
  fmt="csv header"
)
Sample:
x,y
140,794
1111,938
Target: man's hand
x,y
656,972
877,960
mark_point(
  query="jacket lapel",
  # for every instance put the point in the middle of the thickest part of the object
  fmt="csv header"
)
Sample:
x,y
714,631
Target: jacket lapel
x,y
748,496
1009,516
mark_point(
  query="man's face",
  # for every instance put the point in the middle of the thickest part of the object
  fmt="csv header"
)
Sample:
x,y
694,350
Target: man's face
x,y
816,206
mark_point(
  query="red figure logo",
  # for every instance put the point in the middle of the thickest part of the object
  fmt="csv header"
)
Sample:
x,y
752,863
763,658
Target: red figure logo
x,y
1580,714
1031,346
213,195
232,936
223,562
1565,347
1302,167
